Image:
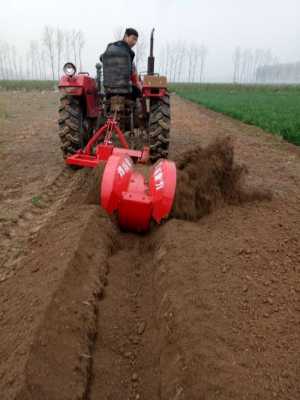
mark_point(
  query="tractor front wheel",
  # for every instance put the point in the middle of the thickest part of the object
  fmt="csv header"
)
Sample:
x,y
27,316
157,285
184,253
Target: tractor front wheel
x,y
160,128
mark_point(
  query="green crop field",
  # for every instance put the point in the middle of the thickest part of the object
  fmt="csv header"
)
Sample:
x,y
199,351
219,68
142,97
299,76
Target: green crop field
x,y
27,85
275,109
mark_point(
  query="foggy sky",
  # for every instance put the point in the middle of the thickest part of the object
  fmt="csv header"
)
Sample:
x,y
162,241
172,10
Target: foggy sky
x,y
220,24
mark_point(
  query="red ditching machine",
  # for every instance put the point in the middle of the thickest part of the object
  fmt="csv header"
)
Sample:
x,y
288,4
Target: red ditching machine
x,y
121,119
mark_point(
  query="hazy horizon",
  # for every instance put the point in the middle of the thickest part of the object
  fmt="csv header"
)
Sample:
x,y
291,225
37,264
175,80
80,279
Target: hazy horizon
x,y
220,25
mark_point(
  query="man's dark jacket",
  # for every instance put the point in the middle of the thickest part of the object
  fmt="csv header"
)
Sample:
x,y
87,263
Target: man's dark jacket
x,y
123,45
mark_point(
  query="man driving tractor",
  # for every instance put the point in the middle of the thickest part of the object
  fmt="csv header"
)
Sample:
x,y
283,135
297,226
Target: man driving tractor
x,y
115,55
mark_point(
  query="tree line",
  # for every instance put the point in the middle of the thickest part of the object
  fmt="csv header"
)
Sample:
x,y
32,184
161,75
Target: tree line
x,y
246,63
43,59
182,63
261,66
178,61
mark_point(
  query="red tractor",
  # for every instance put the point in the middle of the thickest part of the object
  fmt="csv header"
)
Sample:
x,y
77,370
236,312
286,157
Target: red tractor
x,y
126,122
87,104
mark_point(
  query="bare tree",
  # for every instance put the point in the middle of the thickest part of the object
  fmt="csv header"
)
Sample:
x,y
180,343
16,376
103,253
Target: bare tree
x,y
140,51
39,61
160,61
49,42
195,60
176,53
257,55
171,66
28,62
190,61
250,76
44,71
74,44
3,72
59,41
181,61
68,41
9,62
119,32
203,56
168,60
236,65
14,62
81,43
20,68
34,59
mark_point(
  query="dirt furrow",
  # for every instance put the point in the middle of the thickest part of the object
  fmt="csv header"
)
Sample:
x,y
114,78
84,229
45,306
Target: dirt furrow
x,y
126,356
15,232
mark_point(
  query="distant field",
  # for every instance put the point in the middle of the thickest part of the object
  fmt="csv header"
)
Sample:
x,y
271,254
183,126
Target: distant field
x,y
275,109
26,85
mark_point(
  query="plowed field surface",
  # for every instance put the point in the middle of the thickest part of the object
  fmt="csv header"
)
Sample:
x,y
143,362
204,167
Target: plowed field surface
x,y
206,306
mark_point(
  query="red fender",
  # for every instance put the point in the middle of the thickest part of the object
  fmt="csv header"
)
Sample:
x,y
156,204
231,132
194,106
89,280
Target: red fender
x,y
162,187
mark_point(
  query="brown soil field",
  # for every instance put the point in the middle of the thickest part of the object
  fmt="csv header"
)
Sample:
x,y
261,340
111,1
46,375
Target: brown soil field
x,y
205,306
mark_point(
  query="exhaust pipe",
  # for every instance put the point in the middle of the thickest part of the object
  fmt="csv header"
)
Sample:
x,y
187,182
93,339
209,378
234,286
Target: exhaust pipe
x,y
151,59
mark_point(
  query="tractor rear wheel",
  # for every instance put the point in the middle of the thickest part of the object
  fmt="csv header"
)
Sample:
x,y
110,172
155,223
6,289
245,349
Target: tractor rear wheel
x,y
159,128
70,124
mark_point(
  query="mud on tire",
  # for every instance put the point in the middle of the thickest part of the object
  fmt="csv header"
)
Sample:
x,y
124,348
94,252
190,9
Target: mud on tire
x,y
70,121
160,129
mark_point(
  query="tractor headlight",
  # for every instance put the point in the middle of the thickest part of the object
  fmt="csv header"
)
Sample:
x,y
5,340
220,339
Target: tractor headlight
x,y
69,69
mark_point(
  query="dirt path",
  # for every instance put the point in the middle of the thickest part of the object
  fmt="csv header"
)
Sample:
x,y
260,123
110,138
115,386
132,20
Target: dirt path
x,y
193,310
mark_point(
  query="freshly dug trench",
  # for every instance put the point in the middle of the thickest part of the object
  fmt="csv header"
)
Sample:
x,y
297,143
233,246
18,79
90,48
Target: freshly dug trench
x,y
208,178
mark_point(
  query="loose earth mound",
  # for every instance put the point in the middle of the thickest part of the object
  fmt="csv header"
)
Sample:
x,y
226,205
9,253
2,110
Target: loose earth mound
x,y
208,178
